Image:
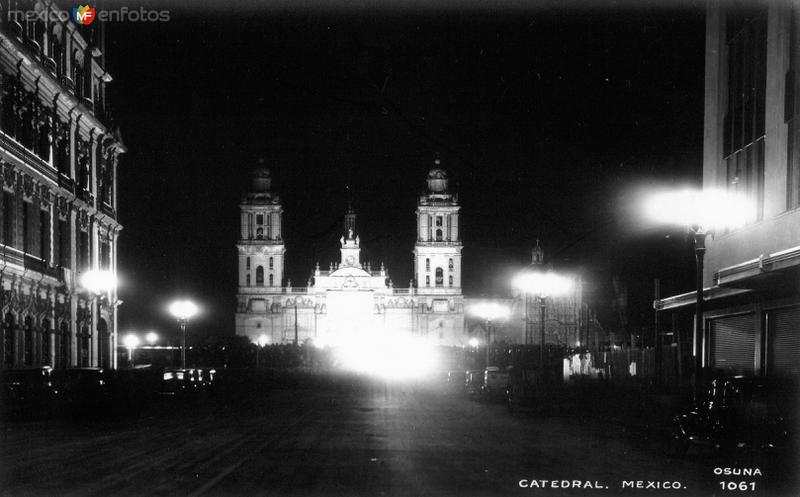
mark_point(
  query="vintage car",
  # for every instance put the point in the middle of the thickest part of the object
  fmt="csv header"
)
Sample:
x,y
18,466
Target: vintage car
x,y
28,393
82,390
473,381
736,413
495,382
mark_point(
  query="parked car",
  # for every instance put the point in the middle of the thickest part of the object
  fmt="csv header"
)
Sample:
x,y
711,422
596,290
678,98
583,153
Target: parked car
x,y
83,390
495,382
473,381
28,393
735,413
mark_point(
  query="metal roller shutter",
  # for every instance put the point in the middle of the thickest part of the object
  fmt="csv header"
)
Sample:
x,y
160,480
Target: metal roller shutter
x,y
784,342
733,347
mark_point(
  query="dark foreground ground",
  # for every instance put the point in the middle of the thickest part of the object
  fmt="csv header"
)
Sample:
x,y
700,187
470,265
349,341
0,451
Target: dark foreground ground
x,y
348,436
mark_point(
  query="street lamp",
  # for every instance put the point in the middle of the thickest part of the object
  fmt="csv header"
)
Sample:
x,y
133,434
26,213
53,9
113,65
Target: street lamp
x,y
543,285
262,342
130,341
151,338
183,311
703,213
489,311
99,283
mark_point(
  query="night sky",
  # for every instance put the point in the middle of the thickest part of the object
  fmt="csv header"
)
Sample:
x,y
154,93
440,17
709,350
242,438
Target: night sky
x,y
547,120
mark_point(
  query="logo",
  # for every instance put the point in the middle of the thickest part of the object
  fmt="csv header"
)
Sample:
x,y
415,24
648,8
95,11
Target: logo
x,y
83,14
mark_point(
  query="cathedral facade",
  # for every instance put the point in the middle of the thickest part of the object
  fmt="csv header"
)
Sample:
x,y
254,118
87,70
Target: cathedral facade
x,y
350,297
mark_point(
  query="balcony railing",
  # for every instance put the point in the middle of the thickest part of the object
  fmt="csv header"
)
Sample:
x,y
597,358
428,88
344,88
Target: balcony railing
x,y
30,262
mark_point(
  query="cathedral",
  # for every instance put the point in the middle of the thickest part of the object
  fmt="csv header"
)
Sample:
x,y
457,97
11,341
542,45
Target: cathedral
x,y
350,296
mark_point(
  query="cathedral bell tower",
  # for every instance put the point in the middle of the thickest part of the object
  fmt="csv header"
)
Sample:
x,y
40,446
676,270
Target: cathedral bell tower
x,y
351,244
437,253
260,246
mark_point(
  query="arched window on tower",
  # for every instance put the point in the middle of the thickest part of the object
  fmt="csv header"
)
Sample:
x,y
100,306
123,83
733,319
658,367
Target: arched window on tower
x,y
271,263
451,280
450,265
438,235
271,280
439,277
260,276
427,280
427,264
248,263
247,279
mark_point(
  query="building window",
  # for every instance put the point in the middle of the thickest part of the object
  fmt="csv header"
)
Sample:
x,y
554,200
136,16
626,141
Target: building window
x,y
247,264
8,218
26,232
44,235
450,279
46,337
64,343
260,233
247,279
260,276
63,243
28,337
105,255
9,340
438,235
83,349
427,280
271,263
743,140
427,264
269,227
84,250
259,219
450,265
271,280
439,221
439,277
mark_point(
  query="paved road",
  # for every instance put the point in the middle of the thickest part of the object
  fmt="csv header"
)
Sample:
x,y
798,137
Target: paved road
x,y
346,438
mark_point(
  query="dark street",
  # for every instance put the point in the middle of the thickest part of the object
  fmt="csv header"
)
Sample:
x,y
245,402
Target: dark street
x,y
346,436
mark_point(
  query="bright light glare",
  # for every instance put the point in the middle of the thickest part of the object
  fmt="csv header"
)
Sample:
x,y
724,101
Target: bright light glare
x,y
707,209
543,284
474,342
130,340
388,355
489,310
98,282
183,309
263,340
151,337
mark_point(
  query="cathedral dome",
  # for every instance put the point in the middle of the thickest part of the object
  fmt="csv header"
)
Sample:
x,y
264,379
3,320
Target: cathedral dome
x,y
437,180
262,180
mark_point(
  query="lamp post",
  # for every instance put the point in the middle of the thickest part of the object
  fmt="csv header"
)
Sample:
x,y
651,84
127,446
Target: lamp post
x,y
151,338
261,343
130,341
489,311
183,311
703,213
543,284
99,283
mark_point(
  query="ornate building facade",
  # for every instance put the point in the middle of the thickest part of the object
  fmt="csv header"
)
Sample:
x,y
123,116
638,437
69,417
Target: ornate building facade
x,y
350,296
58,157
